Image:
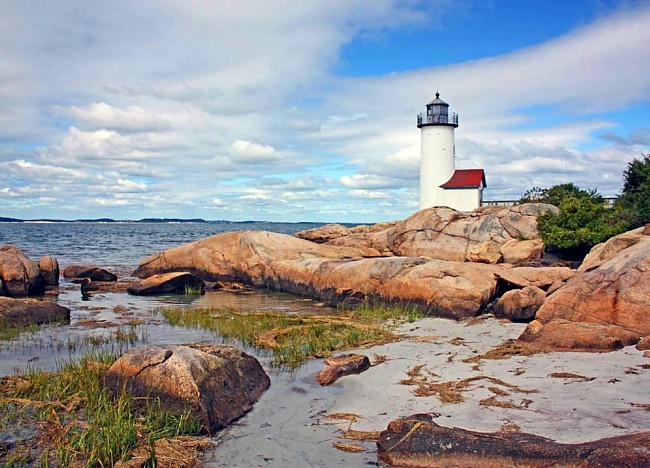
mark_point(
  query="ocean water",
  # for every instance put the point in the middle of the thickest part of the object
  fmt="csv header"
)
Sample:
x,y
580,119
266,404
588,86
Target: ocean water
x,y
119,245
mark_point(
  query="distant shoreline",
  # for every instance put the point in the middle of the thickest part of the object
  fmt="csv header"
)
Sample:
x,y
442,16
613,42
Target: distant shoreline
x,y
144,220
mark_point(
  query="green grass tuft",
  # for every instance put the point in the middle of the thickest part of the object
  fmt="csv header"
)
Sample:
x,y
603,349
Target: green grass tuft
x,y
292,339
192,290
82,422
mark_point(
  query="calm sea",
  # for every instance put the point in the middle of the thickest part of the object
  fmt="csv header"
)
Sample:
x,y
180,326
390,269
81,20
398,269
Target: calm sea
x,y
119,245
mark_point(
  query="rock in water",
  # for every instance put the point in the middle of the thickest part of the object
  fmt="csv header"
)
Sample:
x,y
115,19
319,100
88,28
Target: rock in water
x,y
94,273
216,383
20,275
23,312
178,282
341,366
417,441
49,267
88,287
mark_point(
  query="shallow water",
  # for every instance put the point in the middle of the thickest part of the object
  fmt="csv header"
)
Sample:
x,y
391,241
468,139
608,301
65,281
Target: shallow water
x,y
101,315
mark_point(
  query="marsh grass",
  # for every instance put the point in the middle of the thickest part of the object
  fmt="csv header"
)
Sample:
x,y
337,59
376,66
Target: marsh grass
x,y
79,422
113,340
379,311
12,332
292,339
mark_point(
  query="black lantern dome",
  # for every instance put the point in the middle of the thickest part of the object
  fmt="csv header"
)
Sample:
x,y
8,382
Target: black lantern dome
x,y
437,114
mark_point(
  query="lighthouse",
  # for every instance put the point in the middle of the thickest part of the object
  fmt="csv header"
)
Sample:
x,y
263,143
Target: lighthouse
x,y
441,184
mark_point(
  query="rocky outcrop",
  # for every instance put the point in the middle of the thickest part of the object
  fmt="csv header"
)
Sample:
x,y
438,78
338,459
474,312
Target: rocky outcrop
x,y
374,236
417,441
479,236
520,304
341,366
20,276
354,270
601,253
76,273
215,383
611,291
487,235
24,312
49,267
179,282
239,256
333,274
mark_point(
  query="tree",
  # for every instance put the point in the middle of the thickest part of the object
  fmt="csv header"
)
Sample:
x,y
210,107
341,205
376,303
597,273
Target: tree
x,y
634,201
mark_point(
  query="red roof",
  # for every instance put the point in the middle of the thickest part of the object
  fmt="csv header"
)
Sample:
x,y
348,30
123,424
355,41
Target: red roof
x,y
466,178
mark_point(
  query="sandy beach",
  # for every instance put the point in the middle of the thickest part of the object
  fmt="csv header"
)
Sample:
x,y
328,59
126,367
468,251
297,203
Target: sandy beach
x,y
567,397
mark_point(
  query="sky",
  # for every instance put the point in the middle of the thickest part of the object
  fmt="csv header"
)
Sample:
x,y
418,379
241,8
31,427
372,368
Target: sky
x,y
306,110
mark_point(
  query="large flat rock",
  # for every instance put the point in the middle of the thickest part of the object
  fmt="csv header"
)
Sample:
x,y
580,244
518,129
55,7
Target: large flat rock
x,y
442,289
24,312
331,273
215,383
417,441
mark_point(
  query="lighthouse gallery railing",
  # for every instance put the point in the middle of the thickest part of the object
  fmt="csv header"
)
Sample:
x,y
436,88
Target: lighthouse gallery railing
x,y
424,119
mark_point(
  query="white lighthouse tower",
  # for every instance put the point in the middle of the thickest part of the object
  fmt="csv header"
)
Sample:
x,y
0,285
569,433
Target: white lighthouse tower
x,y
440,183
437,152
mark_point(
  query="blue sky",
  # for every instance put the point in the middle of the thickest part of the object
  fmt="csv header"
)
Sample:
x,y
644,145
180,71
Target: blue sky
x,y
289,111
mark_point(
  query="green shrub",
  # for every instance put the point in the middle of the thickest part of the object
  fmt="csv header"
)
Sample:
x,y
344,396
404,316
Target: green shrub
x,y
582,223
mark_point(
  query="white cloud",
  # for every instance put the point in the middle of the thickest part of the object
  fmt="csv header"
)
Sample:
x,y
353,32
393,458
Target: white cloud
x,y
99,116
125,185
367,181
234,105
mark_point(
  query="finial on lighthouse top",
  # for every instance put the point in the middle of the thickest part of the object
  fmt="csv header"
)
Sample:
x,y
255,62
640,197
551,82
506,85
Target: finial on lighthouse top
x,y
439,101
437,114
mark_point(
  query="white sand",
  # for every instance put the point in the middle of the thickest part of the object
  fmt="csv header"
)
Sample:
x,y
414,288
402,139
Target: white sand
x,y
287,427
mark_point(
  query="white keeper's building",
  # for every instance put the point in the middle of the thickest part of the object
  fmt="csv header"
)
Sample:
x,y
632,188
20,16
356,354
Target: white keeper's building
x,y
441,184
